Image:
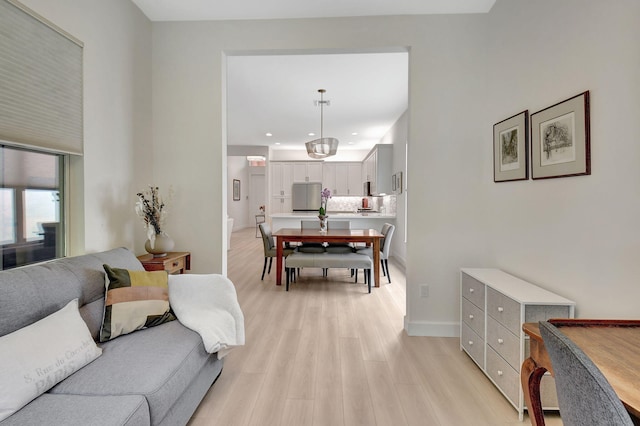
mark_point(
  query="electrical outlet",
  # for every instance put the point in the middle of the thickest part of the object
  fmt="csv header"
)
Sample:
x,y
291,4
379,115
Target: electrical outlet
x,y
424,290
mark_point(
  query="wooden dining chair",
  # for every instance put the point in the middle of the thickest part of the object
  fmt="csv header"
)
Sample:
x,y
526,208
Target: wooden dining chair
x,y
585,397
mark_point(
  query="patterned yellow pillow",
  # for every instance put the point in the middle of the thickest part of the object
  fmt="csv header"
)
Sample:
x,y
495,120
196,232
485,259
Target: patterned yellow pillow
x,y
134,300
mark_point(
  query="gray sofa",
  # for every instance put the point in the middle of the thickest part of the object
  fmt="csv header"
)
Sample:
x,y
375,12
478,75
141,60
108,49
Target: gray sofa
x,y
155,376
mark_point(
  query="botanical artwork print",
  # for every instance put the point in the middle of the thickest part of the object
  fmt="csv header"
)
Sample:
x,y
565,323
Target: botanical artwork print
x,y
509,149
557,140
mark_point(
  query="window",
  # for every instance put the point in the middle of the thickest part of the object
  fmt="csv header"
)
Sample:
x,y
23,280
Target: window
x,y
31,206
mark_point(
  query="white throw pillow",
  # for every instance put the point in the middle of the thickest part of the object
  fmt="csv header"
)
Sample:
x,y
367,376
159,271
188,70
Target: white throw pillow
x,y
35,358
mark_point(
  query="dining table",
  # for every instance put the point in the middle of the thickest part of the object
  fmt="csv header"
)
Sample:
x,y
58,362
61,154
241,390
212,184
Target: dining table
x,y
368,236
613,347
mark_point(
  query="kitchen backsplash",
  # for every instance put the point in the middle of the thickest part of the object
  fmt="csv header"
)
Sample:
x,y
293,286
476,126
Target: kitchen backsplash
x,y
386,204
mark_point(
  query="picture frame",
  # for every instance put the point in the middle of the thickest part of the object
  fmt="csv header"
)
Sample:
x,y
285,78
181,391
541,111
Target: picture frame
x,y
560,139
511,148
236,190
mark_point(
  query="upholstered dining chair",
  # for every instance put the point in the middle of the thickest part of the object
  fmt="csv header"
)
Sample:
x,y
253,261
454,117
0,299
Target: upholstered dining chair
x,y
339,247
307,247
385,249
269,245
585,396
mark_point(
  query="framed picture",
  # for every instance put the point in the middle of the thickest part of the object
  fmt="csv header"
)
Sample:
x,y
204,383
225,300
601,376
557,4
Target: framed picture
x,y
560,144
236,190
511,148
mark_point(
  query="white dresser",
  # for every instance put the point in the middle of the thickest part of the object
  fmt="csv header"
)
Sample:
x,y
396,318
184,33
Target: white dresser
x,y
493,306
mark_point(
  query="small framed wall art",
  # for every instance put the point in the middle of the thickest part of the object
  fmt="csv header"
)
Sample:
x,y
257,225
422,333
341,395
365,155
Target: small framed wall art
x,y
236,190
511,148
560,139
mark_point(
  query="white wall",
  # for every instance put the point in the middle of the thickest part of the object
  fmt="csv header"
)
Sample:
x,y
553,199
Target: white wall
x,y
576,236
188,80
238,168
398,136
118,149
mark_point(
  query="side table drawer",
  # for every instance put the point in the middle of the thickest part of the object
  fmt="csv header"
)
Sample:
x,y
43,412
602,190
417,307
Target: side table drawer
x,y
175,265
473,345
473,290
473,317
505,310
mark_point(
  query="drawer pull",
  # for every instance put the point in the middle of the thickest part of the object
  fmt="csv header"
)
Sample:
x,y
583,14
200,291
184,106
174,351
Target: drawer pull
x,y
470,342
471,290
175,264
500,309
470,316
500,373
500,341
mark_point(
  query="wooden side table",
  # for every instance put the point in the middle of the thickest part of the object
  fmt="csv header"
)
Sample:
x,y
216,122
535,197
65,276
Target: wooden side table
x,y
176,262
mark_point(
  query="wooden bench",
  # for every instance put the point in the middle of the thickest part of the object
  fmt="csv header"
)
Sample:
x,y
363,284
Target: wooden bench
x,y
328,260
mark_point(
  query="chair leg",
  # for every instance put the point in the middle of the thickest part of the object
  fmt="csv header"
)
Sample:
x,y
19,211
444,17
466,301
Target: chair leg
x,y
386,266
384,273
356,275
287,272
352,270
270,262
264,268
369,281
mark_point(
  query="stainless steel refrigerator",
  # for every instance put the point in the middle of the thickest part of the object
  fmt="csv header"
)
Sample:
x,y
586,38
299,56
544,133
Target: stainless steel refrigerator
x,y
305,197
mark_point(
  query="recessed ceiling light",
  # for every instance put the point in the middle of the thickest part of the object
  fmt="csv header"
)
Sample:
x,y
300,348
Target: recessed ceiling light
x,y
311,134
354,134
269,134
350,143
277,143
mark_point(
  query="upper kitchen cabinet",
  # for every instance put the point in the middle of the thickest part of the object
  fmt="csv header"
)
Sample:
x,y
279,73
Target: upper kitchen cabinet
x,y
281,179
343,178
307,171
376,168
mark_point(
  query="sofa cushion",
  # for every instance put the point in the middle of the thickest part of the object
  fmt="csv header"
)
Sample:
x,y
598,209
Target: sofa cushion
x,y
161,363
42,354
134,300
33,292
80,410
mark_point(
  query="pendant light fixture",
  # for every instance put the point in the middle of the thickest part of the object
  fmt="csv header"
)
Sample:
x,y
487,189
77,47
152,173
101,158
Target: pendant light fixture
x,y
323,147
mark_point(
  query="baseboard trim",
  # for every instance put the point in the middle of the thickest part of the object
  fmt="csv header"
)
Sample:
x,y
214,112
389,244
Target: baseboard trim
x,y
432,329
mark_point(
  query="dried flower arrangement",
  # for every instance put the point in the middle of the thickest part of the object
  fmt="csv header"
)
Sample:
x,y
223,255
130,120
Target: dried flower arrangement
x,y
151,208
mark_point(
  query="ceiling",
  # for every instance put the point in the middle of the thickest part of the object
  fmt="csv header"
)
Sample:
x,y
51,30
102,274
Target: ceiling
x,y
276,93
206,10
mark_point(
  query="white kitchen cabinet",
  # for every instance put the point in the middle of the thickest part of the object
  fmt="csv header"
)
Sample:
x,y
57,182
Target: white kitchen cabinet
x,y
281,178
343,178
493,307
280,205
307,171
377,169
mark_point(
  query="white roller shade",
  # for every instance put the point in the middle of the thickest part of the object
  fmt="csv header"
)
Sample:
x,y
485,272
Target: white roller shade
x,y
40,82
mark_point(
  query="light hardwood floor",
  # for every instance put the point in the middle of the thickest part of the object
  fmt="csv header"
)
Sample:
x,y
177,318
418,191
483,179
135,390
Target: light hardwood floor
x,y
328,353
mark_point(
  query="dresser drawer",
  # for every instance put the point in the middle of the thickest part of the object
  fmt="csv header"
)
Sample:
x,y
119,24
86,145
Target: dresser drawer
x,y
473,317
472,344
505,343
505,310
505,377
473,290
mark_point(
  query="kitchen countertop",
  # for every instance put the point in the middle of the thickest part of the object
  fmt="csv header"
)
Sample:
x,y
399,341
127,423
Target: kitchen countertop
x,y
301,215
